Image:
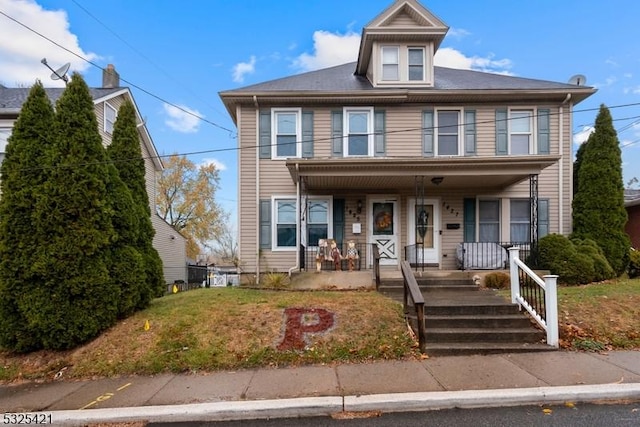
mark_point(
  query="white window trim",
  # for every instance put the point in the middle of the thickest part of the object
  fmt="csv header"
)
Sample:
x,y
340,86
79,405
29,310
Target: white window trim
x,y
274,134
109,107
370,131
501,215
397,64
403,65
274,223
424,62
329,200
436,127
533,145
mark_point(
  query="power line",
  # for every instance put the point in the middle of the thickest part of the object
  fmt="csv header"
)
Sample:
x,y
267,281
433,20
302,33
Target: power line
x,y
184,110
137,51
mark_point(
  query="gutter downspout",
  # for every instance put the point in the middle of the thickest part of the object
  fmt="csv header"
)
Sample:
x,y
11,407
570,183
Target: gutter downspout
x,y
257,252
561,170
299,223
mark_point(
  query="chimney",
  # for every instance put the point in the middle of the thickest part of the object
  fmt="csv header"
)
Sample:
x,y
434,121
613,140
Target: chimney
x,y
110,77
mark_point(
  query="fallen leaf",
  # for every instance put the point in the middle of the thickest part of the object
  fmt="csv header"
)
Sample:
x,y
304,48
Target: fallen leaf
x,y
570,404
547,411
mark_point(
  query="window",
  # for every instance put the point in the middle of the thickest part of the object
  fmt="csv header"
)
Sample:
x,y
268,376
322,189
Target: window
x,y
390,63
520,221
286,224
4,136
416,64
448,132
287,133
521,131
317,221
358,132
110,114
489,221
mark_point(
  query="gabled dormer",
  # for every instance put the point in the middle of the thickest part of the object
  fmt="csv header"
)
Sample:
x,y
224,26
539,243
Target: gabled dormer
x,y
397,47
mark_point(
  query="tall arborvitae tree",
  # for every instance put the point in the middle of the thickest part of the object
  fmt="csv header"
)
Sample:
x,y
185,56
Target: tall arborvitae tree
x,y
23,176
126,154
598,205
76,300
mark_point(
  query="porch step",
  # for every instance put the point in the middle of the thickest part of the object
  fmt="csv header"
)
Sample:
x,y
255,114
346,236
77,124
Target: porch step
x,y
465,349
478,320
462,318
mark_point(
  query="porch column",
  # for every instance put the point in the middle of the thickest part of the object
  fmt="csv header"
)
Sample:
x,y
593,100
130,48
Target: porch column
x,y
533,224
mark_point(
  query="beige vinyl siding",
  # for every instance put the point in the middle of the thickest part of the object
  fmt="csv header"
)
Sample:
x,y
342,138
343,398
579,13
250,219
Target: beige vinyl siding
x,y
247,200
399,141
171,247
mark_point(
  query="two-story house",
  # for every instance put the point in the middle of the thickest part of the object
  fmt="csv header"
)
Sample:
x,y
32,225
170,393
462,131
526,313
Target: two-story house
x,y
391,150
107,99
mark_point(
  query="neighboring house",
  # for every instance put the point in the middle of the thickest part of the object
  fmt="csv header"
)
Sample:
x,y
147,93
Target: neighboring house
x,y
632,227
394,151
107,99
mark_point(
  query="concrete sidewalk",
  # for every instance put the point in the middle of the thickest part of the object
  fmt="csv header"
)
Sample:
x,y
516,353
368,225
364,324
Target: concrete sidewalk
x,y
434,383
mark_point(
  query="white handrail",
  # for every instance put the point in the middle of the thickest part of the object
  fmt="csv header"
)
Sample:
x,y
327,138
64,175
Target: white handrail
x,y
548,283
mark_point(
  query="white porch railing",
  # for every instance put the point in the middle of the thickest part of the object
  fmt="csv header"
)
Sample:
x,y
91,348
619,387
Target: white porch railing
x,y
539,296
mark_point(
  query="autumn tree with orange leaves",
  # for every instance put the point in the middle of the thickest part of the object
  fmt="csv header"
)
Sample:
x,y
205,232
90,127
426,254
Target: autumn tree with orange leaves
x,y
186,200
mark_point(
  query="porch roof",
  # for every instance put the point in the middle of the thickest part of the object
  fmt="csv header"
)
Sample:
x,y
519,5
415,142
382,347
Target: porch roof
x,y
385,173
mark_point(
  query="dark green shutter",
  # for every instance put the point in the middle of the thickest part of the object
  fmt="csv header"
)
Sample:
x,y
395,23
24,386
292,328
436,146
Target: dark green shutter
x,y
336,133
380,133
469,213
307,134
543,132
502,137
265,134
338,221
265,224
470,132
543,218
427,133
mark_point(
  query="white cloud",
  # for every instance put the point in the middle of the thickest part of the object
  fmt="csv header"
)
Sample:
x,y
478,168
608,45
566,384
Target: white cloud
x,y
581,137
182,119
329,49
219,165
452,58
458,33
243,68
21,50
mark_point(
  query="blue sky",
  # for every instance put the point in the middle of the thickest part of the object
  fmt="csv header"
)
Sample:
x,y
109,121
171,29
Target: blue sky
x,y
183,53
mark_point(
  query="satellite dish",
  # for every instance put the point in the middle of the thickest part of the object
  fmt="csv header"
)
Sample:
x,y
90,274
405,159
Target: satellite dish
x,y
578,80
60,73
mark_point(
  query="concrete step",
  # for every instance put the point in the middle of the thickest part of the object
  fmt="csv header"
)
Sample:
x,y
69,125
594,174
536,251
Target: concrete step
x,y
484,335
478,320
464,348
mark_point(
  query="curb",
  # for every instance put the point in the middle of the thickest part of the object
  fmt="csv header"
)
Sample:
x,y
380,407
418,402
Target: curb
x,y
325,406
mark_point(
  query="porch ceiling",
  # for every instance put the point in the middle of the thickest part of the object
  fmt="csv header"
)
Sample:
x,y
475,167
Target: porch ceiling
x,y
373,174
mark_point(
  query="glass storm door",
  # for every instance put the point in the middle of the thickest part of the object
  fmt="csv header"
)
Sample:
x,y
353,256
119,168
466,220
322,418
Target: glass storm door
x,y
424,235
384,229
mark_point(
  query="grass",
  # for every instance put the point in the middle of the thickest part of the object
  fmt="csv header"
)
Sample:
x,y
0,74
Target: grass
x,y
232,328
600,316
226,329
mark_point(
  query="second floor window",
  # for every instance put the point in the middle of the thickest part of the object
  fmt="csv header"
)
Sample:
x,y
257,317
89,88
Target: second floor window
x,y
287,133
448,131
358,132
521,131
110,114
390,63
416,64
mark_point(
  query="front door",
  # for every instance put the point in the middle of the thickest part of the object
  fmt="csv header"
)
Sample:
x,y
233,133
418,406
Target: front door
x,y
423,230
384,228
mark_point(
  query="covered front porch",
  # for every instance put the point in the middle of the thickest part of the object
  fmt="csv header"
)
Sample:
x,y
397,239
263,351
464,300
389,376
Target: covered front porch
x,y
424,211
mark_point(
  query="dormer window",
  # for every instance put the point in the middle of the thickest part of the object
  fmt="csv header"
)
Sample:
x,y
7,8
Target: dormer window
x,y
416,64
390,63
404,65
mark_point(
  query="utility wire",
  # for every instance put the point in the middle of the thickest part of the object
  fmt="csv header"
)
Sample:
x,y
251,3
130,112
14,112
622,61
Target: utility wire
x,y
159,68
184,110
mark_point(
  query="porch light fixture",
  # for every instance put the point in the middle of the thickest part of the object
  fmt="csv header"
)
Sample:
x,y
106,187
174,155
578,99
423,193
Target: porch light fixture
x,y
437,180
359,207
